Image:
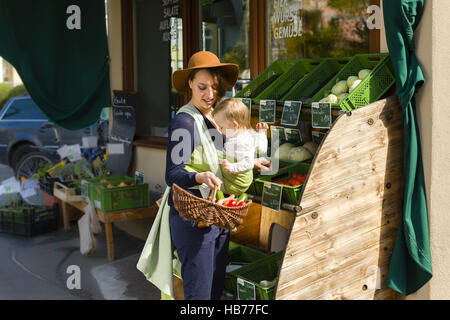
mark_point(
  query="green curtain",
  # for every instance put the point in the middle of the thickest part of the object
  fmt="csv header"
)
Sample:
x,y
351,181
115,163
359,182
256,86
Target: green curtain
x,y
65,69
410,266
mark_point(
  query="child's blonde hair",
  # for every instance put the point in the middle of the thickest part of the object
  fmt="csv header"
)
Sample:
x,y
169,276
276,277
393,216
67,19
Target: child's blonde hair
x,y
235,110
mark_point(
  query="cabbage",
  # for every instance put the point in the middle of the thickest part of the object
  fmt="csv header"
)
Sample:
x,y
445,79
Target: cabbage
x,y
311,147
342,96
363,73
354,85
351,79
332,98
339,88
283,151
299,154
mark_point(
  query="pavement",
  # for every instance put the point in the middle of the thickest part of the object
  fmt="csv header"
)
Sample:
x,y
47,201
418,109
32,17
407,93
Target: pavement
x,y
42,267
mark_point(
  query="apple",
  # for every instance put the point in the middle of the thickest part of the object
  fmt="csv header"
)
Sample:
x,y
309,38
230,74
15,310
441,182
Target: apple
x,y
123,184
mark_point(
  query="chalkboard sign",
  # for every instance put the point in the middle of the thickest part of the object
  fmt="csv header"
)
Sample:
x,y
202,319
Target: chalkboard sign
x,y
321,115
293,136
267,109
317,136
123,128
245,290
248,103
291,113
123,114
271,196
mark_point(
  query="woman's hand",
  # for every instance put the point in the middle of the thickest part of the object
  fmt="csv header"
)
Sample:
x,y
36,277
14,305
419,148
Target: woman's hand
x,y
209,179
262,164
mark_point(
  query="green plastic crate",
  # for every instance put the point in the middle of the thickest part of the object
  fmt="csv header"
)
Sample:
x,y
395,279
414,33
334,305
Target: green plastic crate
x,y
89,192
282,164
289,194
119,198
268,76
263,269
239,255
370,89
295,74
315,80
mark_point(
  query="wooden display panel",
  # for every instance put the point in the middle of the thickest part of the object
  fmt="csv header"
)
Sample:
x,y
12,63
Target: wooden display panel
x,y
342,239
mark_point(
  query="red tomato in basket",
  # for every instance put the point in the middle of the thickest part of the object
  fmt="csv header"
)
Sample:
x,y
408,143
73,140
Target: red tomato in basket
x,y
241,203
232,203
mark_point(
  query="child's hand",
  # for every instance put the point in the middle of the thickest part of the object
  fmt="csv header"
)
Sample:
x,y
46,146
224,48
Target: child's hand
x,y
226,165
261,126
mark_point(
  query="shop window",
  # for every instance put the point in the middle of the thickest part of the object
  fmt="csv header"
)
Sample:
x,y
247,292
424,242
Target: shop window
x,y
158,53
315,28
225,31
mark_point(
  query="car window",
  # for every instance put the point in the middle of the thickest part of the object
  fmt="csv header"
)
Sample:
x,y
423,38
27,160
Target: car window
x,y
24,109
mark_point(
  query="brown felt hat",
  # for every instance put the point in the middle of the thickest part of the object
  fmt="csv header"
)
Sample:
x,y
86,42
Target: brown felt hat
x,y
201,60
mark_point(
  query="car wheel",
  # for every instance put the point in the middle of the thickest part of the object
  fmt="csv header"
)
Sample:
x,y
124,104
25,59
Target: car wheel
x,y
29,165
19,153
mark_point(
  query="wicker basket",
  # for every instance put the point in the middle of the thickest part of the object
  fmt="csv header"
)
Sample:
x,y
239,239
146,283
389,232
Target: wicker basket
x,y
198,209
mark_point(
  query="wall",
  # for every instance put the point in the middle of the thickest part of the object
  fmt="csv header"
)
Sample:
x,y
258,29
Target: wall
x,y
433,45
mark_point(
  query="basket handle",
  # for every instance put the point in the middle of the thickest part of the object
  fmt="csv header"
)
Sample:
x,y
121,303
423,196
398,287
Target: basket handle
x,y
212,195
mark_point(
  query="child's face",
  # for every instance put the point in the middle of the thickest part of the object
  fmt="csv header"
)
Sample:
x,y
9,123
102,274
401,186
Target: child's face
x,y
227,127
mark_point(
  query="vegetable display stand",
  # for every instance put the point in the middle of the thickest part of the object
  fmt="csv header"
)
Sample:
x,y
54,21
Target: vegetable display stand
x,y
119,198
88,186
265,79
108,218
290,194
65,193
239,256
262,274
291,77
315,80
369,90
28,220
345,224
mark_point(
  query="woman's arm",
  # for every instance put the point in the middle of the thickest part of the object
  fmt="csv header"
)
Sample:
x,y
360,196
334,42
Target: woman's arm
x,y
180,145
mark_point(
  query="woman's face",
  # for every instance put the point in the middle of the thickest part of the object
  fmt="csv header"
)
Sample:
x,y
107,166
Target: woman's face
x,y
204,90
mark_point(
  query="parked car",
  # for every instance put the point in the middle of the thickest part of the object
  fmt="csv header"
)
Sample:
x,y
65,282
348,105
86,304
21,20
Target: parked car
x,y
23,127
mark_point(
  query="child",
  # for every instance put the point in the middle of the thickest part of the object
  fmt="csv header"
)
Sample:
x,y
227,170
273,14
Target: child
x,y
233,118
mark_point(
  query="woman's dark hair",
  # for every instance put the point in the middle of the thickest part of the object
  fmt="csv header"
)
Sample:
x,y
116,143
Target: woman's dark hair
x,y
216,73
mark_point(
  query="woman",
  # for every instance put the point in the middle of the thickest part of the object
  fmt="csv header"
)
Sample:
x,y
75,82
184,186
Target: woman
x,y
202,250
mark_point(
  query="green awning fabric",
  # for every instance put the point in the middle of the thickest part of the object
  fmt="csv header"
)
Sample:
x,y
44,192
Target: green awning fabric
x,y
60,50
410,266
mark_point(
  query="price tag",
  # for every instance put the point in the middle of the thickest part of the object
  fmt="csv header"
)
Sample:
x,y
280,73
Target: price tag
x,y
138,178
71,152
267,110
321,115
85,189
248,103
279,132
293,136
317,136
245,290
116,148
291,113
11,185
89,142
271,196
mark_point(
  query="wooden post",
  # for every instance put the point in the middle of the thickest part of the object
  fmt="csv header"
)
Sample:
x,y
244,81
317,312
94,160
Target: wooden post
x,y
109,240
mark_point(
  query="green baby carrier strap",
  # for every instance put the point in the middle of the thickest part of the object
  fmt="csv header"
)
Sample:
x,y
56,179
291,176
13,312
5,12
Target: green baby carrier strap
x,y
206,157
